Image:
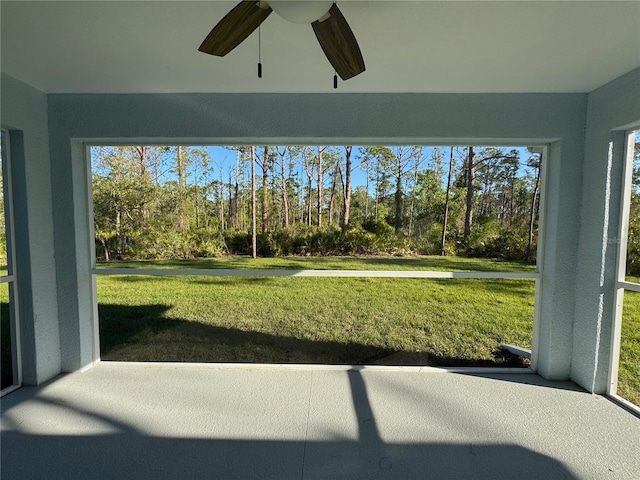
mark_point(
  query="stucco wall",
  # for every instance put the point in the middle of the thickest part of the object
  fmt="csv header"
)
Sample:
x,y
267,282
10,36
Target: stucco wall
x,y
557,120
612,109
24,114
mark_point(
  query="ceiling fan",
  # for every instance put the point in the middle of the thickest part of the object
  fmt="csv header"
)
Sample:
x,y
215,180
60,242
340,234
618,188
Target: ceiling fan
x,y
331,29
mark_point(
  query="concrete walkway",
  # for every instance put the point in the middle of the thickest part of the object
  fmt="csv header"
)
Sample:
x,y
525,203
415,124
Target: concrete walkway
x,y
125,421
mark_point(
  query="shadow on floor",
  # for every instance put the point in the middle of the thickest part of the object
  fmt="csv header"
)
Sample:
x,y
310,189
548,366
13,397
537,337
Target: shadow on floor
x,y
6,362
134,456
533,380
128,453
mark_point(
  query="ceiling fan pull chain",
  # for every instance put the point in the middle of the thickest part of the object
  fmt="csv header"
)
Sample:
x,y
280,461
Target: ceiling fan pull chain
x,y
335,80
259,54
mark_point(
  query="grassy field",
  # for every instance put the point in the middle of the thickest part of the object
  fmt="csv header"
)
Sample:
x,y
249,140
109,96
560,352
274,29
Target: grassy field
x,y
629,367
317,320
453,264
6,357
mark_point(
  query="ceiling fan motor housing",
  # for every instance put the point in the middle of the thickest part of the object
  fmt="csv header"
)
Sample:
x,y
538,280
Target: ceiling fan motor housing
x,y
301,11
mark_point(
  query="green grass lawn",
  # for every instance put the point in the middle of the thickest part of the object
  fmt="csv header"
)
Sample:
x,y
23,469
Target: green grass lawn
x,y
629,366
454,264
316,320
6,360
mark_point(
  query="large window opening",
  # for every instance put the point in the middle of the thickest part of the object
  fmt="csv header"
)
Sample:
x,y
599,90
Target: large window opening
x,y
392,255
9,328
625,371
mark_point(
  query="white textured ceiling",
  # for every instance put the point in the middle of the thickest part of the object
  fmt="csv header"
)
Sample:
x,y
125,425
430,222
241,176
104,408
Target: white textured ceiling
x,y
418,46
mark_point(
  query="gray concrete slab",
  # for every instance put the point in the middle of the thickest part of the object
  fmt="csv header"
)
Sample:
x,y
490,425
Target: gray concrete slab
x,y
163,422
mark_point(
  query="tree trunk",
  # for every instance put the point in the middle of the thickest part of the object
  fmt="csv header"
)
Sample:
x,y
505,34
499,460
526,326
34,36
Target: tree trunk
x,y
512,191
102,242
446,207
233,203
366,197
398,202
332,197
236,198
142,160
221,200
283,186
532,215
377,199
413,200
180,167
182,214
254,242
320,181
196,203
308,171
346,206
265,190
470,178
309,204
196,208
118,234
141,152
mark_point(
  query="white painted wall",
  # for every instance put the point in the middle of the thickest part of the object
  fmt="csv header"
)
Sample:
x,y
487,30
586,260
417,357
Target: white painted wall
x,y
24,114
555,119
612,109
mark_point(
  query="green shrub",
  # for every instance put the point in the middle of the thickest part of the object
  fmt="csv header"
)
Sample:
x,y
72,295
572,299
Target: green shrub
x,y
490,240
633,246
378,227
238,242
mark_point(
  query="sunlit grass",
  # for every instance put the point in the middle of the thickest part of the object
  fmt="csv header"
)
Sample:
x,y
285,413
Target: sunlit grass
x,y
333,263
6,368
629,366
317,320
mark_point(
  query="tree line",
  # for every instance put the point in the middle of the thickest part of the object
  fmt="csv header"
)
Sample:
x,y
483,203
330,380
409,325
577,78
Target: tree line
x,y
633,240
193,201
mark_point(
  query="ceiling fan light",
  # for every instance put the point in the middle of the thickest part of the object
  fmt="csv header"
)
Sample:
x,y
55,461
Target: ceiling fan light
x,y
301,11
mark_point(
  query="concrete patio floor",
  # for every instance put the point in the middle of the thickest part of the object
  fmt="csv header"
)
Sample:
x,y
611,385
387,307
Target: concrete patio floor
x,y
132,421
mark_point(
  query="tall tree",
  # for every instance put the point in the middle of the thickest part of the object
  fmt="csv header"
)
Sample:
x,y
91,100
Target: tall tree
x,y
307,161
443,238
283,186
376,160
309,164
182,204
346,189
120,197
320,172
470,176
264,165
535,163
218,189
397,160
472,163
254,242
332,194
436,161
141,154
199,164
236,173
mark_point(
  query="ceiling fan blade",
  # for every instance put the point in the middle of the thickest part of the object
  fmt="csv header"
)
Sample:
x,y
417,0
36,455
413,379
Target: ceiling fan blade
x,y
235,27
339,44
